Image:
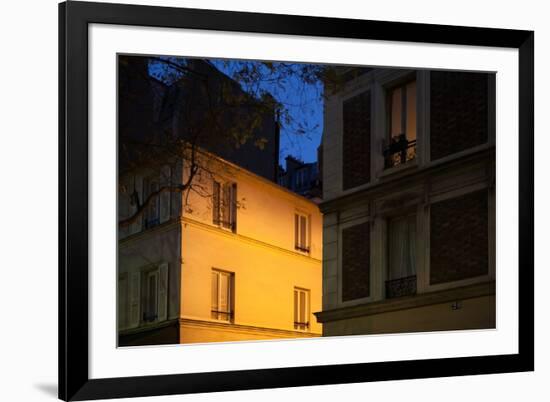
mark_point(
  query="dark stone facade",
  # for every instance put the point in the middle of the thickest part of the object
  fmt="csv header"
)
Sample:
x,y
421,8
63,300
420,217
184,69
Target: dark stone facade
x,y
163,335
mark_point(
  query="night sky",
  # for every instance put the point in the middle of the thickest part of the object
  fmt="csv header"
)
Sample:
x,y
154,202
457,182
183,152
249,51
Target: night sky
x,y
304,104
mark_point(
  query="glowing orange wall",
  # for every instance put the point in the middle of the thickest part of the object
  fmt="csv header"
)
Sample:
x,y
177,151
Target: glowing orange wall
x,y
261,254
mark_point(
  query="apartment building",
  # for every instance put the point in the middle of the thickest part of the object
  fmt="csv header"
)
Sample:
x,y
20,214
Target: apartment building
x,y
409,202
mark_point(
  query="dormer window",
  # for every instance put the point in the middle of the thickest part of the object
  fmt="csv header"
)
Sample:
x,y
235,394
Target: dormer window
x,y
401,141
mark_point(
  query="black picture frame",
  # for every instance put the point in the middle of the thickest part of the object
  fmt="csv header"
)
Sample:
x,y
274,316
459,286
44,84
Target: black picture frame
x,y
74,381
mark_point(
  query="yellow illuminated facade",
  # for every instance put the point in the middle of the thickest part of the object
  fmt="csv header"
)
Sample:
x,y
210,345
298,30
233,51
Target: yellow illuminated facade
x,y
236,258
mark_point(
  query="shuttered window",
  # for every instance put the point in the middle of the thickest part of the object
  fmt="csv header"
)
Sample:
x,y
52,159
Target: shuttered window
x,y
459,111
301,232
301,309
143,297
224,205
459,238
165,181
151,186
216,202
135,292
136,200
150,300
356,140
123,301
222,295
356,262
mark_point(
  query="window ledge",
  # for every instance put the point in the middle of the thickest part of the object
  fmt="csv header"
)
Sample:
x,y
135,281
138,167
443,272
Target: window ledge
x,y
413,164
407,302
148,327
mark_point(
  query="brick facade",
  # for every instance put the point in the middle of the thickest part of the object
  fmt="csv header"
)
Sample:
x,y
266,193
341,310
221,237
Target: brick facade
x,y
356,147
356,262
458,111
459,244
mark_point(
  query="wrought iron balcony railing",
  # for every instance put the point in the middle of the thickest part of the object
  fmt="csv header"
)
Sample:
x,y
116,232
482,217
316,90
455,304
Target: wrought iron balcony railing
x,y
401,287
222,315
151,222
149,316
301,325
399,151
303,249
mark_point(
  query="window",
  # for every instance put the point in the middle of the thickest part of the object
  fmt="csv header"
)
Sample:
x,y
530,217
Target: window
x,y
150,186
222,295
165,196
356,261
123,301
150,299
460,111
356,141
459,238
143,297
402,124
300,178
224,208
301,238
301,309
402,256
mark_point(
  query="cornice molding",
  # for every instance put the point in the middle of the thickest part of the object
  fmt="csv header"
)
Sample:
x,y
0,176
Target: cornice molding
x,y
408,302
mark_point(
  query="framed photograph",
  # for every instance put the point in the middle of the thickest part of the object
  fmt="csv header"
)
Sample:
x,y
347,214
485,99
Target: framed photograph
x,y
259,201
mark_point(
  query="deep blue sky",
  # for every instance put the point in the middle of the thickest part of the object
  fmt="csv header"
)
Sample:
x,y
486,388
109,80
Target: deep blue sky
x,y
305,107
304,104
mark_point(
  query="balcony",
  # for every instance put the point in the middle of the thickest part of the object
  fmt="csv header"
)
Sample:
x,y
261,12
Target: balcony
x,y
399,151
301,326
300,248
220,315
401,287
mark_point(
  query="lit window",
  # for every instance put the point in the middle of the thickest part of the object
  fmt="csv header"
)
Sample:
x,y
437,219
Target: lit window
x,y
402,256
224,205
222,295
301,309
402,124
301,238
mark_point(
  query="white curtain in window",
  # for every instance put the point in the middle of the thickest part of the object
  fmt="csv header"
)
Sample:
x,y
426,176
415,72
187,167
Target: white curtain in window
x,y
402,247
